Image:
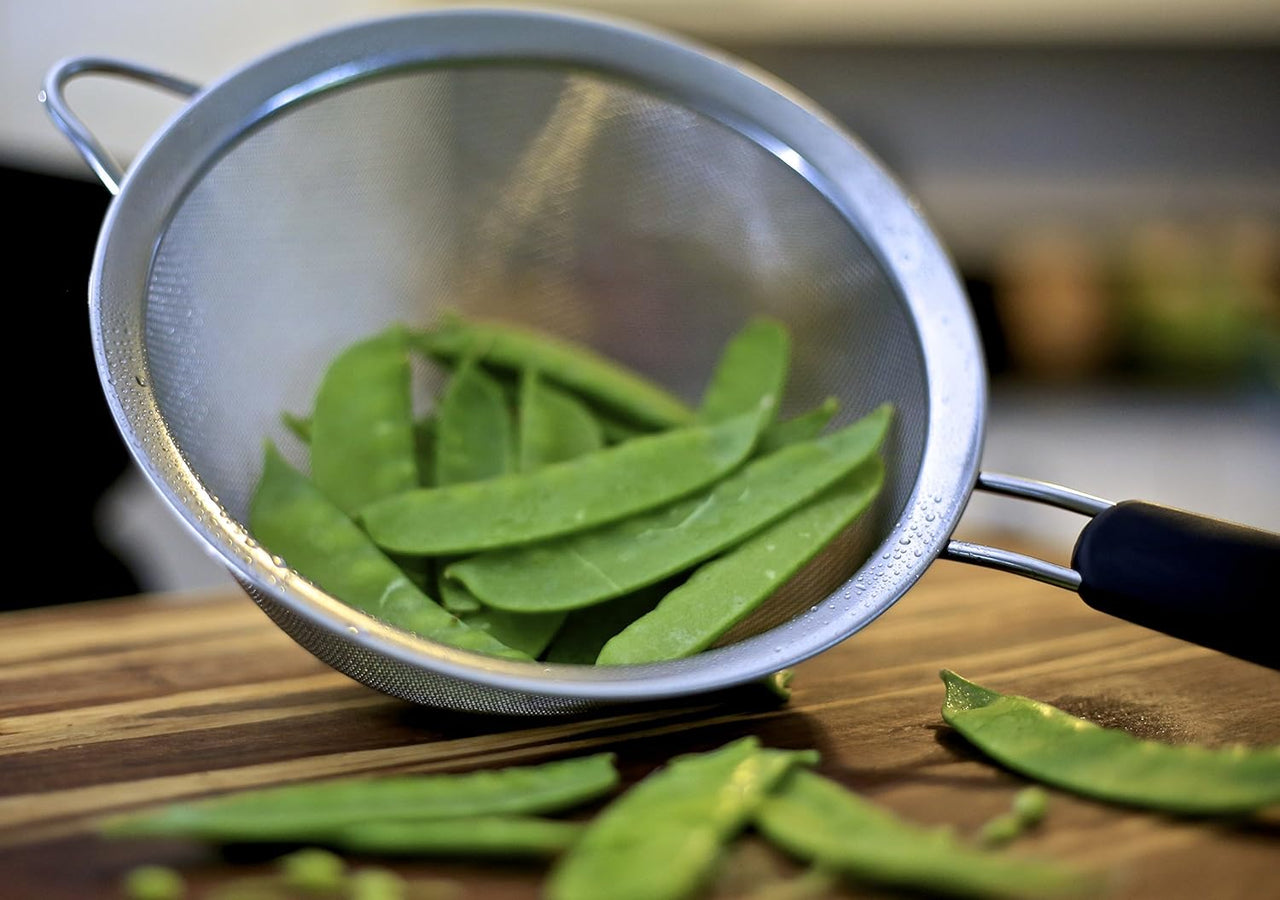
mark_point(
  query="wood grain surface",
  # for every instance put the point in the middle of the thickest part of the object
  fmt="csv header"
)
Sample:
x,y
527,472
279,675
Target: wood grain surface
x,y
112,705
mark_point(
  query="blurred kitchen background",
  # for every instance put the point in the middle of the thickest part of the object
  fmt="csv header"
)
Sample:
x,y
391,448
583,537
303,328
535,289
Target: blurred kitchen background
x,y
1107,177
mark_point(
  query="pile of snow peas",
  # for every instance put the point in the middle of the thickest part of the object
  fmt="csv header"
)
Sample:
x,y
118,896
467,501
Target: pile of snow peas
x,y
662,839
555,505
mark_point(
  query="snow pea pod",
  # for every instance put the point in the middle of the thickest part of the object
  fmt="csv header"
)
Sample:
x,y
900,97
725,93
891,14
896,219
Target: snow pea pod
x,y
424,449
473,441
424,439
300,426
660,840
569,496
1045,743
475,438
725,590
554,425
804,427
362,445
527,632
584,569
293,519
752,369
821,822
601,380
586,631
481,836
315,811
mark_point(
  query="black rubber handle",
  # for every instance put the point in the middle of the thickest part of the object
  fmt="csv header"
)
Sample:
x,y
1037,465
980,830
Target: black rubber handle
x,y
1203,580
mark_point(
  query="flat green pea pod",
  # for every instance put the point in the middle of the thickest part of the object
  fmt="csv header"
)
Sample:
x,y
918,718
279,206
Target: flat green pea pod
x,y
291,517
586,631
1044,743
661,839
316,811
822,823
477,441
752,369
362,443
424,438
424,449
617,559
602,381
616,431
473,440
554,425
529,633
482,836
300,426
725,590
804,427
566,497
475,437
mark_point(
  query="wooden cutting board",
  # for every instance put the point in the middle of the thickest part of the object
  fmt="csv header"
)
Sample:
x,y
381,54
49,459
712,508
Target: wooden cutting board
x,y
110,705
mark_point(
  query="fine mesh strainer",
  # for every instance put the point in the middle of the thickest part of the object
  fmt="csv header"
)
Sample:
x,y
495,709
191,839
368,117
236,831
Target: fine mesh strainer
x,y
598,181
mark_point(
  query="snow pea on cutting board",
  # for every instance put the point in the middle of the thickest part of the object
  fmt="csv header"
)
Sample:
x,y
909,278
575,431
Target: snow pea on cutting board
x,y
1047,744
660,840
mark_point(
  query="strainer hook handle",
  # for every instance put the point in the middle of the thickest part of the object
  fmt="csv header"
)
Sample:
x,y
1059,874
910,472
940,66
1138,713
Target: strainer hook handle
x,y
1191,576
53,97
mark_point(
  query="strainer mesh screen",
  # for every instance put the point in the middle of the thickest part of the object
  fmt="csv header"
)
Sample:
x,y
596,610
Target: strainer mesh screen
x,y
561,198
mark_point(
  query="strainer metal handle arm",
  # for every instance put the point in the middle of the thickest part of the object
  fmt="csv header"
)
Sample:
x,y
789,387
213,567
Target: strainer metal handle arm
x,y
95,154
1194,577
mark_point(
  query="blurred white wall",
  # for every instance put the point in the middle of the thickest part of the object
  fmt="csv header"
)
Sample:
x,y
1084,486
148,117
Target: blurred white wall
x,y
203,39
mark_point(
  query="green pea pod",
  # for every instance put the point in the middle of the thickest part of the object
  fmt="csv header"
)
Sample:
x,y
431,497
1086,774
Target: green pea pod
x,y
293,519
820,822
661,839
424,431
1046,744
586,631
316,811
475,438
554,425
424,450
566,497
362,445
602,381
804,427
299,425
503,837
752,371
585,569
527,632
725,590
456,598
616,431
473,441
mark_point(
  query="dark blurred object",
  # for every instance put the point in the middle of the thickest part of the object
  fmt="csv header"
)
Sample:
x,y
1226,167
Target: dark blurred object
x,y
62,417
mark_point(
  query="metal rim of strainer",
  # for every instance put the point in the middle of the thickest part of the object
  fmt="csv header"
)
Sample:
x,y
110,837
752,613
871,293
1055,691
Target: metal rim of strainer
x,y
727,90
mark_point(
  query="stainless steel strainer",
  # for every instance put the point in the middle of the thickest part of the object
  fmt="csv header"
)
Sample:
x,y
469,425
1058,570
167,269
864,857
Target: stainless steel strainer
x,y
600,181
